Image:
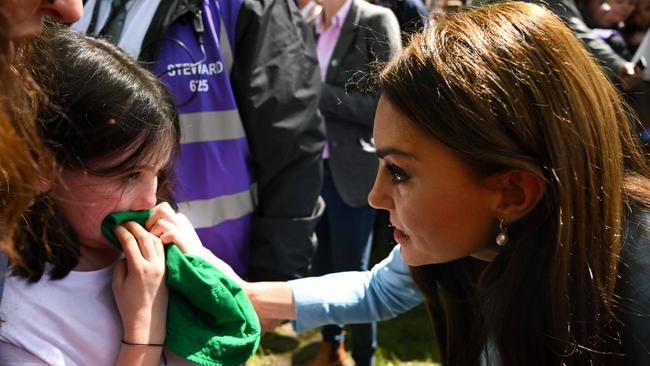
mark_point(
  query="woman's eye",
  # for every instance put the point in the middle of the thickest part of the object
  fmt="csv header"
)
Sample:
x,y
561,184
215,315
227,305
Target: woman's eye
x,y
397,173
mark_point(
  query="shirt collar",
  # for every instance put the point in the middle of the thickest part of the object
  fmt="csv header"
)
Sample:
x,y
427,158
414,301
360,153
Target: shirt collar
x,y
337,20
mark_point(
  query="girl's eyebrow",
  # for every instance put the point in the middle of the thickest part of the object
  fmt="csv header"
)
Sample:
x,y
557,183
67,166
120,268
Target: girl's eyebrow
x,y
382,153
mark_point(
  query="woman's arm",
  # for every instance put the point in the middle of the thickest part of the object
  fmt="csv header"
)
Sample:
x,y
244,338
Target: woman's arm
x,y
347,297
384,292
339,298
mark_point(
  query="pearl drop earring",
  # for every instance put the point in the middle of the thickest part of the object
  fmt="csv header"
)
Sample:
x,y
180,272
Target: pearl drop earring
x,y
502,236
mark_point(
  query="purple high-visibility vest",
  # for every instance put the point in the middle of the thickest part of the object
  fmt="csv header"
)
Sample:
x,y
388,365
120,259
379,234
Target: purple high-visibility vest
x,y
215,189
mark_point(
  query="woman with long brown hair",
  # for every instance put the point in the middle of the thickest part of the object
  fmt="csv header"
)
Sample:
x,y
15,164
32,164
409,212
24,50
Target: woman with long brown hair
x,y
519,197
518,102
21,20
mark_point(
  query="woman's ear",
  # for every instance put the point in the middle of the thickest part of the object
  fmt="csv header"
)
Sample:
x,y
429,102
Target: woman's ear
x,y
519,192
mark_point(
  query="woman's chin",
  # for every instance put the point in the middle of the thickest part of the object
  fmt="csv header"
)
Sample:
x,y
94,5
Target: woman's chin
x,y
413,259
24,32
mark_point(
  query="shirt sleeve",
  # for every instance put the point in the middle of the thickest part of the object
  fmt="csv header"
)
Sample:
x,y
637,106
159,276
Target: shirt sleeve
x,y
384,292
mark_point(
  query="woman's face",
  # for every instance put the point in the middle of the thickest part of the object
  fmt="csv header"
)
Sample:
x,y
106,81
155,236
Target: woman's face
x,y
440,210
25,17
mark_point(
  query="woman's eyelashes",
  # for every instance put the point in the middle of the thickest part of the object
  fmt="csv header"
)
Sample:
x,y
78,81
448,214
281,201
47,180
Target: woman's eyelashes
x,y
398,174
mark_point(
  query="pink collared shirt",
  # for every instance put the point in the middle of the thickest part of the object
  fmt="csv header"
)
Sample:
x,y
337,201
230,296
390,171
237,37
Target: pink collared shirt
x,y
327,39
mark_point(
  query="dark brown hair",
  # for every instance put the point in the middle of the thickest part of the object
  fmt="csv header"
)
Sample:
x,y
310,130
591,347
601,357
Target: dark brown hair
x,y
102,103
508,86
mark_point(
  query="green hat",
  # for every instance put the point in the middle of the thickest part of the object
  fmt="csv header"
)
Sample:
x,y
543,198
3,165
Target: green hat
x,y
209,318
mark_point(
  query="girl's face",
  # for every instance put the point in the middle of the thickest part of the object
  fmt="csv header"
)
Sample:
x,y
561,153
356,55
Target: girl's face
x,y
26,16
440,210
85,199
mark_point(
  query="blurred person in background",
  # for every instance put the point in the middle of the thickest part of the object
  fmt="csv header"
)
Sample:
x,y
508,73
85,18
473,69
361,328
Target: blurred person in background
x,y
351,36
411,14
608,19
310,10
638,24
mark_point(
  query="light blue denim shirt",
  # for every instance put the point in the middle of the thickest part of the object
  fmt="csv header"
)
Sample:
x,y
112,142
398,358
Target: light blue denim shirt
x,y
384,292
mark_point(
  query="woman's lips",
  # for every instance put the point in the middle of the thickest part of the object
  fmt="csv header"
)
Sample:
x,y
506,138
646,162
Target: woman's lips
x,y
399,236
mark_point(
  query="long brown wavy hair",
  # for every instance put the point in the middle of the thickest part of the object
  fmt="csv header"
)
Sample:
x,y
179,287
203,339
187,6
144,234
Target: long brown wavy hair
x,y
20,148
509,86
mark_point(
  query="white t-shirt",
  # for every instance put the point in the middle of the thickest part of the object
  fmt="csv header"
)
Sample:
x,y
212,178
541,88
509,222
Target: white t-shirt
x,y
73,321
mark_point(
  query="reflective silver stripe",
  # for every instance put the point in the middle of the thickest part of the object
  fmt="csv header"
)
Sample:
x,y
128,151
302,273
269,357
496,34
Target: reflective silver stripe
x,y
211,126
226,50
211,212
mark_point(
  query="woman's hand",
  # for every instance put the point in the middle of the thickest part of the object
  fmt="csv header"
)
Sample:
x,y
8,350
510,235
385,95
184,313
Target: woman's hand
x,y
139,285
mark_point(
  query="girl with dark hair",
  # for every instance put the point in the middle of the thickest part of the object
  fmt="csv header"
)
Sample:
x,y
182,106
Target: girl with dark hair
x,y
518,193
112,130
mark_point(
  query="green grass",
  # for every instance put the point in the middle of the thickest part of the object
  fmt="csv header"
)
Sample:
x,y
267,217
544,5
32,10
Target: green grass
x,y
405,340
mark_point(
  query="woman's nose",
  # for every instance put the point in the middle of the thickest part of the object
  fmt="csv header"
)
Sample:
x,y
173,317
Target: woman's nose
x,y
377,198
67,11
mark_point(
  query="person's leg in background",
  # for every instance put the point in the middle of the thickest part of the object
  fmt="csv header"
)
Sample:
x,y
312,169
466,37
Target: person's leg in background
x,y
344,243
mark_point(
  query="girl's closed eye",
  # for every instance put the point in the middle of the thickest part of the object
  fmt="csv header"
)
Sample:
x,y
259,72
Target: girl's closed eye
x,y
398,174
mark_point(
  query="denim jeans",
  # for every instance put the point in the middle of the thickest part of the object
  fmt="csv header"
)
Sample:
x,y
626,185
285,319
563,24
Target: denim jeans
x,y
344,243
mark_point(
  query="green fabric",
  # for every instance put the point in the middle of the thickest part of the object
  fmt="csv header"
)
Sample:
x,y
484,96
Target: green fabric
x,y
209,318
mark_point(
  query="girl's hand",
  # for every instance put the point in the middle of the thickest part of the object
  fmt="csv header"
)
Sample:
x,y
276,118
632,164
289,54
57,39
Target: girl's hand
x,y
172,227
139,285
